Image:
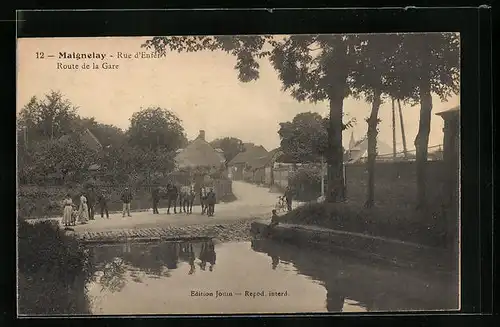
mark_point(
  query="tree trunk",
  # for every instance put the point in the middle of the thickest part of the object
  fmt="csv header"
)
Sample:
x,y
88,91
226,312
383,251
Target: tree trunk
x,y
372,149
403,135
334,157
424,128
393,130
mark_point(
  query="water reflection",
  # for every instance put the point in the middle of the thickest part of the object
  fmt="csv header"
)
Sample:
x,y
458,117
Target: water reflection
x,y
155,260
375,287
161,278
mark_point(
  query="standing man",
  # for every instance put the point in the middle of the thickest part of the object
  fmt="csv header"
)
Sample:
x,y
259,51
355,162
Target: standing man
x,y
90,195
211,199
126,199
102,199
156,199
288,198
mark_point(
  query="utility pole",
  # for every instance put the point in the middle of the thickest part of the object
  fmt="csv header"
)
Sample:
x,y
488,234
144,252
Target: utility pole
x,y
393,130
322,176
402,130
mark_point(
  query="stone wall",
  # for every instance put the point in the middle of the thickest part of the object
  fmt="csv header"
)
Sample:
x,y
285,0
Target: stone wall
x,y
395,182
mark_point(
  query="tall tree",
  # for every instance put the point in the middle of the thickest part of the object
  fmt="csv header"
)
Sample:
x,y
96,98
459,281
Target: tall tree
x,y
311,67
427,63
375,62
155,128
48,118
230,145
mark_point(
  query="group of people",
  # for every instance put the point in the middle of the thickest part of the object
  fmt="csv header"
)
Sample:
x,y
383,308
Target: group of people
x,y
184,197
86,208
89,199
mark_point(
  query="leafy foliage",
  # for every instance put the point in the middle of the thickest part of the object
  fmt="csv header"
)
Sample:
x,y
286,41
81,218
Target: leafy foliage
x,y
53,271
306,183
47,119
156,128
230,145
438,53
65,158
108,135
310,67
45,157
305,138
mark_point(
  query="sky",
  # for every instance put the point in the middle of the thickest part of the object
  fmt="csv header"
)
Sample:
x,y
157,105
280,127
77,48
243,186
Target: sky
x,y
201,88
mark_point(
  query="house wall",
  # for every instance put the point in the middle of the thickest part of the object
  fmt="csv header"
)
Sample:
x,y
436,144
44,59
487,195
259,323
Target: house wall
x,y
268,175
259,175
237,171
281,176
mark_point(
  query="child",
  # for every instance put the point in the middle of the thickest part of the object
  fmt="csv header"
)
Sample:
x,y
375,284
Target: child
x,y
274,219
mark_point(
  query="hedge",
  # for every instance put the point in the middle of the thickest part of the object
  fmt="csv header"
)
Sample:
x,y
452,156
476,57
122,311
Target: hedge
x,y
54,270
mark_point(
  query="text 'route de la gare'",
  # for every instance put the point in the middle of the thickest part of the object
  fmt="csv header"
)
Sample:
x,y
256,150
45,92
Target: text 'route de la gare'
x,y
99,60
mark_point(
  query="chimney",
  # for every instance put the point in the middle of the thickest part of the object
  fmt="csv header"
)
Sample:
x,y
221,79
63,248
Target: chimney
x,y
202,135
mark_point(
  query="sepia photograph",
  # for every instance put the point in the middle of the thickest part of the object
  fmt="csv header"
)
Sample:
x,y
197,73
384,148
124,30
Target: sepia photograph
x,y
238,174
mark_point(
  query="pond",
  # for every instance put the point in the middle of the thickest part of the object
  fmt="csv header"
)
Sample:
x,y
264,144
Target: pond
x,y
254,277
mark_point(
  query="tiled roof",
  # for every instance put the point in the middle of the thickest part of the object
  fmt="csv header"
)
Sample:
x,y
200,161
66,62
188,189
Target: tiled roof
x,y
251,153
264,160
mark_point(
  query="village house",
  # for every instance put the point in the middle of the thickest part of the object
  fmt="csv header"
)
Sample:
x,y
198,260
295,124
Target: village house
x,y
199,153
86,137
198,162
261,168
89,140
358,151
451,152
239,166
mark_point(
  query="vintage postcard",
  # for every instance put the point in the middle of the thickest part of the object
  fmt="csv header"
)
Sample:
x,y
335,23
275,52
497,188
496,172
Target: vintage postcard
x,y
238,174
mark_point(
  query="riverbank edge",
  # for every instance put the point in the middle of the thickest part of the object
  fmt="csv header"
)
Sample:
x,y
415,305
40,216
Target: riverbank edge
x,y
396,252
219,231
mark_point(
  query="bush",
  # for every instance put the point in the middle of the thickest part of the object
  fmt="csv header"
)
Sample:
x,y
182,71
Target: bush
x,y
306,184
428,228
53,271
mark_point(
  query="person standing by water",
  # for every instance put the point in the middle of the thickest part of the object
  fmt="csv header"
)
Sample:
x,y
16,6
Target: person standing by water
x,y
211,199
90,195
155,194
67,211
126,199
102,199
288,198
83,212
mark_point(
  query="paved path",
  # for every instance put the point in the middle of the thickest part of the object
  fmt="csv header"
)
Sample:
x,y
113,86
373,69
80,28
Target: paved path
x,y
252,202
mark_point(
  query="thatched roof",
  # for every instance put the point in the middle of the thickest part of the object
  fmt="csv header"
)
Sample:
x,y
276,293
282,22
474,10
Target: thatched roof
x,y
251,153
199,153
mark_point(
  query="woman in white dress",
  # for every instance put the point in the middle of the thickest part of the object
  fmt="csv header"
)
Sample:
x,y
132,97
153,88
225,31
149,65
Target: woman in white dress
x,y
83,210
67,211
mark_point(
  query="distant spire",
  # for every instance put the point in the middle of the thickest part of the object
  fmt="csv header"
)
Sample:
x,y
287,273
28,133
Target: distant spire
x,y
352,143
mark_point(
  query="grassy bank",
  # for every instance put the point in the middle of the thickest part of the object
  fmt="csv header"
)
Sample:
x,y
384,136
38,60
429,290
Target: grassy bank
x,y
53,271
401,223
